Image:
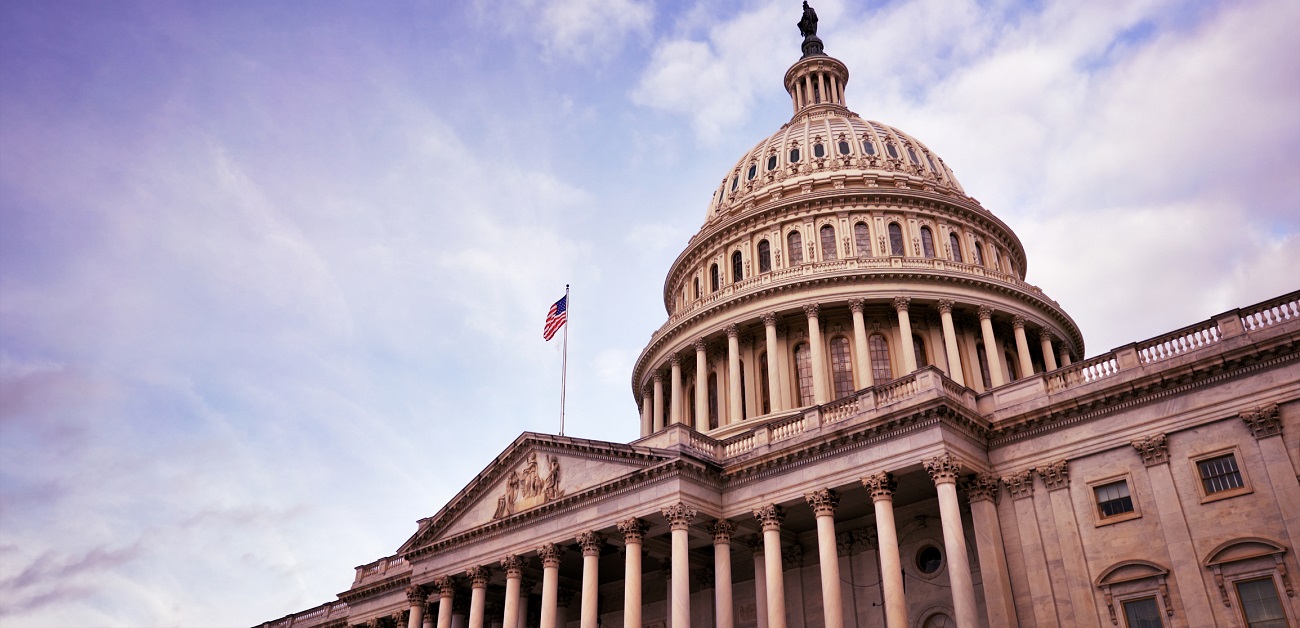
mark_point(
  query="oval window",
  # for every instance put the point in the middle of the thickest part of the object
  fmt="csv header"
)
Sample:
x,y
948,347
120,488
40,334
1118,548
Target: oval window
x,y
844,147
868,147
771,162
819,150
893,152
753,170
794,155
929,559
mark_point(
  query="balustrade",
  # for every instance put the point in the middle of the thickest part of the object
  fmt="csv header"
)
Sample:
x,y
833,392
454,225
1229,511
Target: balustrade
x,y
1178,342
896,390
1086,372
1271,312
784,429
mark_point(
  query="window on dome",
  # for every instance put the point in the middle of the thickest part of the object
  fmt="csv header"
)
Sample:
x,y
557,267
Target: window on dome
x,y
862,238
764,384
794,155
931,160
878,348
714,280
771,162
737,267
912,154
794,248
844,147
955,244
979,254
895,239
889,148
868,147
697,287
753,170
841,367
918,349
764,256
984,366
713,400
803,368
1013,373
927,242
819,150
734,182
828,243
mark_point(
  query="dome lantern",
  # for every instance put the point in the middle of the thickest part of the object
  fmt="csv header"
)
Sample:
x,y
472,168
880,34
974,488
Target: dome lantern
x,y
816,81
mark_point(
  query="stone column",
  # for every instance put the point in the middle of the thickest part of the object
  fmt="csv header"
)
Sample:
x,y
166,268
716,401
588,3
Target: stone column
x,y
1083,606
446,595
950,341
820,389
734,412
647,412
1022,346
658,401
701,386
1064,355
550,555
478,578
722,530
860,349
428,615
675,398
905,333
1265,425
513,567
1186,563
991,350
755,545
984,492
944,470
591,542
526,586
417,596
823,503
771,516
1042,600
679,518
773,363
633,530
882,486
1049,356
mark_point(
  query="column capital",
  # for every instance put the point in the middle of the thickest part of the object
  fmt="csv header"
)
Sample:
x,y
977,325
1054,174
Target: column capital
x,y
446,586
633,529
513,565
984,487
564,596
478,576
769,319
901,303
1056,475
857,305
985,312
1018,322
943,469
658,377
732,331
1046,335
944,306
770,516
792,555
700,345
722,529
881,485
550,554
679,516
591,542
812,310
823,502
1154,449
1021,484
755,543
782,331
747,342
1264,421
417,595
675,361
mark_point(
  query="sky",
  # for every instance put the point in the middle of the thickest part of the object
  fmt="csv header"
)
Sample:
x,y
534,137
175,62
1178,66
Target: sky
x,y
273,274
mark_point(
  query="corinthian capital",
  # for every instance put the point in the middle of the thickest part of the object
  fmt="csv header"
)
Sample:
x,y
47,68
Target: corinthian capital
x,y
812,310
446,586
901,303
769,319
550,554
822,501
478,576
1017,322
1055,475
856,305
944,305
633,530
1154,449
722,529
700,345
675,361
985,312
1046,335
732,331
984,487
1263,422
591,542
770,516
942,469
417,595
1021,484
513,565
881,485
679,516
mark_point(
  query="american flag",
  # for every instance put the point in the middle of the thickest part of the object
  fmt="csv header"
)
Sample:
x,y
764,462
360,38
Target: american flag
x,y
556,317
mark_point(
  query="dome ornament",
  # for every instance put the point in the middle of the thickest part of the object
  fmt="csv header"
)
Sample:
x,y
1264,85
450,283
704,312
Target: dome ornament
x,y
812,45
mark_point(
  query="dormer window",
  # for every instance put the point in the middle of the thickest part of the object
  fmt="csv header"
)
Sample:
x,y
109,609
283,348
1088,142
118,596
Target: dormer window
x,y
819,150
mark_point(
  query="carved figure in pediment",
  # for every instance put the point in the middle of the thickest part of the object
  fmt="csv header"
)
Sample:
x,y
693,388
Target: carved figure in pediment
x,y
526,487
552,487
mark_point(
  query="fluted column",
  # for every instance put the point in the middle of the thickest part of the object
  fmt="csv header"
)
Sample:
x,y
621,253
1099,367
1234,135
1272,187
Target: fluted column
x,y
658,400
675,398
983,492
647,412
905,333
701,385
1022,346
860,348
513,567
478,578
823,503
734,412
722,530
882,486
550,555
820,389
1064,355
755,545
446,596
1049,356
944,470
950,341
679,518
773,363
771,517
991,352
417,597
591,542
633,530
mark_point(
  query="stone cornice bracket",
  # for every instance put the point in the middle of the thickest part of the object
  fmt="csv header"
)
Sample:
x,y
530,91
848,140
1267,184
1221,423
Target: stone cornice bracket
x,y
633,529
478,576
857,305
984,487
417,595
770,516
513,565
679,516
944,306
769,319
700,345
722,529
1154,449
943,469
550,554
1018,322
812,310
822,501
1055,475
1021,485
881,485
901,303
446,586
732,331
591,543
1264,421
985,312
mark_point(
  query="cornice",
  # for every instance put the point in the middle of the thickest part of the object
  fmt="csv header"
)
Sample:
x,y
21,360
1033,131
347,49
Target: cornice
x,y
375,588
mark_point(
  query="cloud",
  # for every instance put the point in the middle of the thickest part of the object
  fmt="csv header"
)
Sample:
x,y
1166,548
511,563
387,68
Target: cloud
x,y
583,31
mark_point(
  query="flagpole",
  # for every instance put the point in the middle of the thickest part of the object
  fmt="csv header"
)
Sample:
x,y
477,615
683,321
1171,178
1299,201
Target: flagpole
x,y
564,361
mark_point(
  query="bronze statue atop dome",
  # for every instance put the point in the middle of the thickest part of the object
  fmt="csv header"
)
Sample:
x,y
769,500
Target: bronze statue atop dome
x,y
812,45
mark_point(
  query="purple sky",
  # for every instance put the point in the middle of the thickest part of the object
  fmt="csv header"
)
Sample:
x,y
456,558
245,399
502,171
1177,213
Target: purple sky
x,y
272,276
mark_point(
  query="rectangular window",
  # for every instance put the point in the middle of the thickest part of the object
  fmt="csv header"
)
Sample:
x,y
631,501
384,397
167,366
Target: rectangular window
x,y
1219,474
1260,604
1113,499
1142,613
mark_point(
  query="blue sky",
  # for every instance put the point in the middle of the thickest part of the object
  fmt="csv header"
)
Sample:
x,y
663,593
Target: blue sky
x,y
272,276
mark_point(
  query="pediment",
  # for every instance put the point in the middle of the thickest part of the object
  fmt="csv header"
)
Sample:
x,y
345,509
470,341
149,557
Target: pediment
x,y
1242,549
535,470
1129,571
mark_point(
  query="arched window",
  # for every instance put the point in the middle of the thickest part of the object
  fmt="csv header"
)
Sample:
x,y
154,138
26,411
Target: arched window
x,y
771,162
713,401
697,287
753,170
918,347
881,370
803,368
715,281
955,244
764,256
895,239
764,385
841,367
927,242
737,267
862,238
828,243
979,254
688,409
794,248
984,366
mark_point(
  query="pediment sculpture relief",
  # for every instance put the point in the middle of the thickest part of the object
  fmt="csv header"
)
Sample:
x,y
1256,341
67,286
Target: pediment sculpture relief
x,y
527,488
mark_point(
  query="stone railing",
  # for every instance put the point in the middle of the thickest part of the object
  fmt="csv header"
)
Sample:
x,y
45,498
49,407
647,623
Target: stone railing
x,y
785,428
1271,312
896,390
381,568
1086,372
326,612
1178,342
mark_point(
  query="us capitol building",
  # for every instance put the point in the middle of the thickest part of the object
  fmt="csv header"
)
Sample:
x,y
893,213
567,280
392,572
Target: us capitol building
x,y
859,414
